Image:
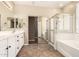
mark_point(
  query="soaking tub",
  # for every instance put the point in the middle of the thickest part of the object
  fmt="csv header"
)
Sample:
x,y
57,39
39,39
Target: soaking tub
x,y
69,48
67,44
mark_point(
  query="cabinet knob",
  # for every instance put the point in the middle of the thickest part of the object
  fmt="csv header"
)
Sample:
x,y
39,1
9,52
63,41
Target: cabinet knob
x,y
17,47
17,36
17,40
9,46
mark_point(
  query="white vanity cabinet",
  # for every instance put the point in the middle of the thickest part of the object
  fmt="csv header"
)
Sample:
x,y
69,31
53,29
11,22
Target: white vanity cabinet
x,y
3,47
10,45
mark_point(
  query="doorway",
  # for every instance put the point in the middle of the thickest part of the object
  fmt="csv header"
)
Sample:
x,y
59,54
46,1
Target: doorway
x,y
33,29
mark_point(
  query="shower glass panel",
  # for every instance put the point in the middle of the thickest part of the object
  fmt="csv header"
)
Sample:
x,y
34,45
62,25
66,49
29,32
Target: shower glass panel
x,y
60,23
67,23
64,23
51,31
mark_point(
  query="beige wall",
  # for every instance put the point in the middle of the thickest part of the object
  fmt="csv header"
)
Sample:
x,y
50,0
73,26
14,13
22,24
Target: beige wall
x,y
5,12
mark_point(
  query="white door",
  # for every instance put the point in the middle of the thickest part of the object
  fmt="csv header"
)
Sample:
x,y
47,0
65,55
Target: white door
x,y
17,44
11,47
3,48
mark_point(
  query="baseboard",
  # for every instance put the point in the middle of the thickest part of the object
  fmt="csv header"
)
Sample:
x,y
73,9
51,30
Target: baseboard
x,y
26,44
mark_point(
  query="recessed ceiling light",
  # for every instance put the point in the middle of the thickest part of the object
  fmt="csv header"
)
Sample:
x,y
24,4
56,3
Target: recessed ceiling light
x,y
61,5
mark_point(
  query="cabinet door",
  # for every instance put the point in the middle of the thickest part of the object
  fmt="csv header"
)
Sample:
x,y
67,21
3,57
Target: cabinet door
x,y
21,40
11,47
52,24
3,46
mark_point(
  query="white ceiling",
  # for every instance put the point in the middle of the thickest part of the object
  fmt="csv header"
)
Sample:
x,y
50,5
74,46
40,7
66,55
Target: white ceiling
x,y
53,4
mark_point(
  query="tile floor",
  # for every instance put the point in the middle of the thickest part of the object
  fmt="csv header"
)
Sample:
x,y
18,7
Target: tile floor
x,y
42,49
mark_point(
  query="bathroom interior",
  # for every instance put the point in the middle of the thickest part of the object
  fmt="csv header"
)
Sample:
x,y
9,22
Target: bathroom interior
x,y
39,28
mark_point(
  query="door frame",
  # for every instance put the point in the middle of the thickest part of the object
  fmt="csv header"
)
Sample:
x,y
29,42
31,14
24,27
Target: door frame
x,y
28,25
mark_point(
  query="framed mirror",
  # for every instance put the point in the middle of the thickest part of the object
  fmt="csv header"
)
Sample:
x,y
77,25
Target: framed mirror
x,y
15,22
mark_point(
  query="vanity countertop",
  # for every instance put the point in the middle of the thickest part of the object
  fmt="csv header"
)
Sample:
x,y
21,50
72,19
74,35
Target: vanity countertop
x,y
6,34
